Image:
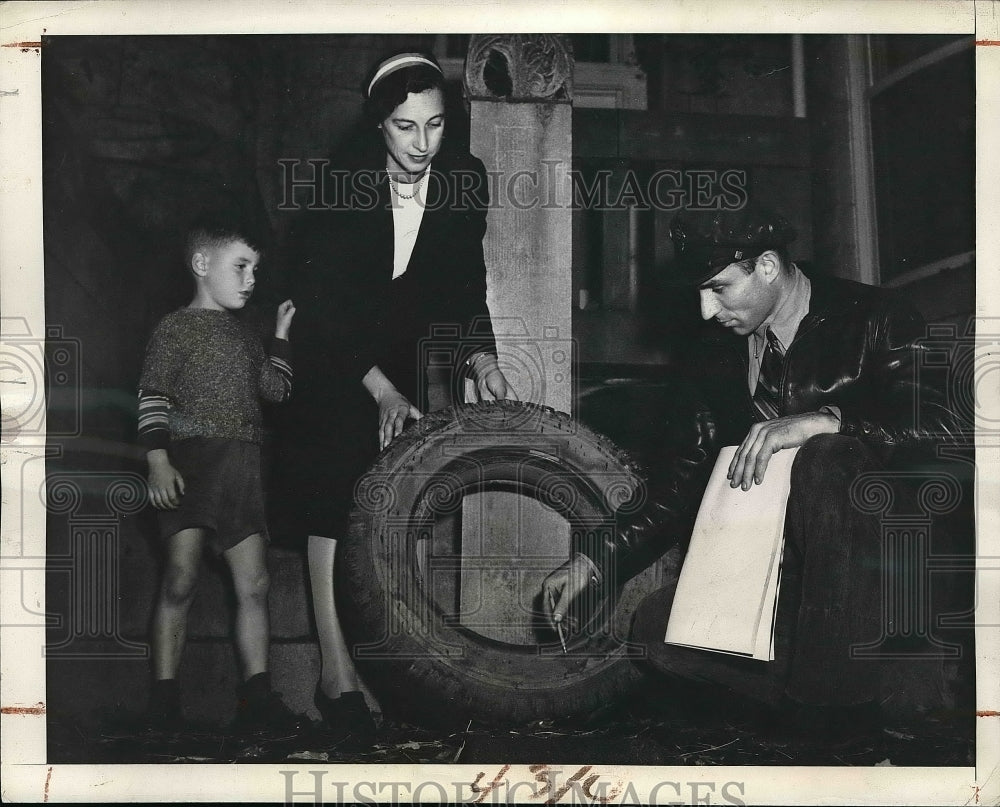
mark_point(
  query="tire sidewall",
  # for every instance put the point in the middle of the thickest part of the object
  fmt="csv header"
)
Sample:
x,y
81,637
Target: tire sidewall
x,y
399,637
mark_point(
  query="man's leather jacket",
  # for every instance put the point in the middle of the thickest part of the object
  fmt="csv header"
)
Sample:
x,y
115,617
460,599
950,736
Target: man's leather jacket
x,y
859,349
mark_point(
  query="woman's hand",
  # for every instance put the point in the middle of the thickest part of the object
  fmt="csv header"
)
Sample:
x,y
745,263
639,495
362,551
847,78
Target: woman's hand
x,y
393,410
491,383
393,407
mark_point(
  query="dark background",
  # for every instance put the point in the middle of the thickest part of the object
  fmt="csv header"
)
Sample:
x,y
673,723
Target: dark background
x,y
140,131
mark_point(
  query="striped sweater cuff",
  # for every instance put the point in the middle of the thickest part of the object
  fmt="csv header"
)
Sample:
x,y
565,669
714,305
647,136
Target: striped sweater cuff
x,y
280,359
154,420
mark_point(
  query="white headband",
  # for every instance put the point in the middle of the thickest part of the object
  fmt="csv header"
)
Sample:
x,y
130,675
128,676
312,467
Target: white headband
x,y
394,63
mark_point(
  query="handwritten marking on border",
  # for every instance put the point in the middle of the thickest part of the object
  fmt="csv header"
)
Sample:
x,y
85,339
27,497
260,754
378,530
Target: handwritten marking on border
x,y
38,709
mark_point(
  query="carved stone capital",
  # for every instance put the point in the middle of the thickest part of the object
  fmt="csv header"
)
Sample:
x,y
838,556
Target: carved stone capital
x,y
534,68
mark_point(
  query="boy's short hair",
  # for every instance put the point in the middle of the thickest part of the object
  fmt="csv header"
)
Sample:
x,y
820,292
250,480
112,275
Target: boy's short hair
x,y
217,231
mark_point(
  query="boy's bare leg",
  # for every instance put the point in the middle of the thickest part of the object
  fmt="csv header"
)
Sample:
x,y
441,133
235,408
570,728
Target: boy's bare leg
x,y
248,565
337,673
174,601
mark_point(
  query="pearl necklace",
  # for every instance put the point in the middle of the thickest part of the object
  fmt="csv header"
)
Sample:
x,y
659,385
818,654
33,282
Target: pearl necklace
x,y
416,186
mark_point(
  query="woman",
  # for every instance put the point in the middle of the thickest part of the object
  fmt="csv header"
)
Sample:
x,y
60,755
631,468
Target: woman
x,y
397,258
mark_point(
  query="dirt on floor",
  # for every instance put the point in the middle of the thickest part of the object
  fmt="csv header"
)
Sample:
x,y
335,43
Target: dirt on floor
x,y
645,731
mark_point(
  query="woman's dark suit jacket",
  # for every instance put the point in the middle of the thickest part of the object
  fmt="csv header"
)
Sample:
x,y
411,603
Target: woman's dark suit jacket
x,y
351,315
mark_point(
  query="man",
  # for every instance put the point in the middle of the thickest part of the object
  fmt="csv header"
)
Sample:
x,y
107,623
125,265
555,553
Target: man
x,y
821,363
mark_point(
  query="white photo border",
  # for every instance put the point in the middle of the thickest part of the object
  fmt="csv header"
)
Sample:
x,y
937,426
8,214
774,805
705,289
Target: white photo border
x,y
26,775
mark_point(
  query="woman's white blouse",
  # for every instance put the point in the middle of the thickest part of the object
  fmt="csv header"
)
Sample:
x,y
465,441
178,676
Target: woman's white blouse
x,y
406,217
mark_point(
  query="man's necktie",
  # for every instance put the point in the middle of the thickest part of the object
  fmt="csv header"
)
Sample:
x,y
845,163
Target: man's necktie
x,y
767,395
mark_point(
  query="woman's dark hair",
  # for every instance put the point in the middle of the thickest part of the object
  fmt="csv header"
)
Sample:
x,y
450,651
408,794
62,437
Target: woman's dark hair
x,y
392,89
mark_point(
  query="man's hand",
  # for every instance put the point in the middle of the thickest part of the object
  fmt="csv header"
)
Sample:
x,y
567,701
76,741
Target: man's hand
x,y
166,485
284,320
491,383
765,439
564,585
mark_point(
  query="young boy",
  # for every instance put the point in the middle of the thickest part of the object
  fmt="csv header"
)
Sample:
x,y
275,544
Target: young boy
x,y
200,421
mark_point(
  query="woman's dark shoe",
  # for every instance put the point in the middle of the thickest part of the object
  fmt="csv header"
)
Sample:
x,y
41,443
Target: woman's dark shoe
x,y
348,718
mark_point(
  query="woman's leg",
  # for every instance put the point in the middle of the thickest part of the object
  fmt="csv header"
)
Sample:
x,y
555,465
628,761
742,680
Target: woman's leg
x,y
248,565
174,601
337,673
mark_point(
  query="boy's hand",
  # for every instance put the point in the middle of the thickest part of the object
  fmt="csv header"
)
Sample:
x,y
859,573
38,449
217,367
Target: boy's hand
x,y
285,313
166,485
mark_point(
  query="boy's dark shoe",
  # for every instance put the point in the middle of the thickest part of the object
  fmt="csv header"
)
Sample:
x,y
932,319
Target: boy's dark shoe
x,y
348,718
163,713
261,709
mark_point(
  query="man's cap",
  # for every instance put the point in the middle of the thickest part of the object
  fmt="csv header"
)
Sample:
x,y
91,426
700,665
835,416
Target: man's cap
x,y
707,241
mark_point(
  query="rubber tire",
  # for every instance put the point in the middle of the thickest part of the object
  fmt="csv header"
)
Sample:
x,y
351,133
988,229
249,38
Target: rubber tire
x,y
428,671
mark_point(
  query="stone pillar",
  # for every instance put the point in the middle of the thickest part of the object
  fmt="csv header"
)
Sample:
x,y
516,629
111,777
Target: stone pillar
x,y
520,90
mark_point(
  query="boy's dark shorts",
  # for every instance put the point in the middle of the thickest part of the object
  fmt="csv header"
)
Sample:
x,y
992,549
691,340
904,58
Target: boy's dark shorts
x,y
223,491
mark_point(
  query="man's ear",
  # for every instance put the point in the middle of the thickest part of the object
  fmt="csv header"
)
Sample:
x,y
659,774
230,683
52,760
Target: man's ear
x,y
769,265
199,264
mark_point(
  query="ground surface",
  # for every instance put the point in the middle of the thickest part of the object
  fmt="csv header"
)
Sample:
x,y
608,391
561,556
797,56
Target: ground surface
x,y
684,731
